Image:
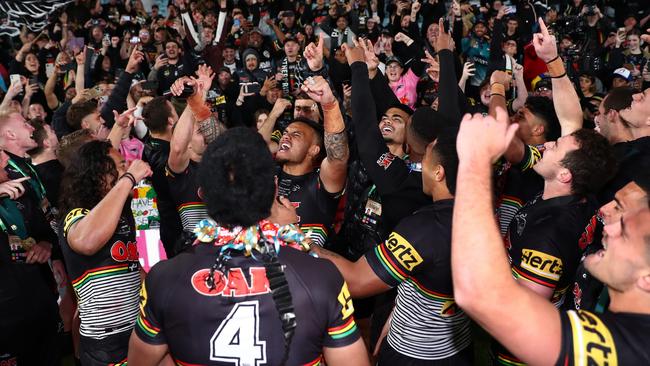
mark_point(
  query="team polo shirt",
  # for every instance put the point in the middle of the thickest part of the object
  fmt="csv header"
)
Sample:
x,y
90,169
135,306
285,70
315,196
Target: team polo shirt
x,y
604,339
107,283
237,322
416,257
184,189
315,206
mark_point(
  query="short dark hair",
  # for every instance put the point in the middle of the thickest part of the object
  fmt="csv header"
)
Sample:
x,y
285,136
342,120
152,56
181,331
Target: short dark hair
x,y
448,157
39,135
543,109
618,99
591,165
70,144
318,133
155,114
172,41
79,111
236,176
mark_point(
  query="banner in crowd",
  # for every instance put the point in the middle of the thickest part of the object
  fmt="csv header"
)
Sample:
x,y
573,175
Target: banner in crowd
x,y
34,14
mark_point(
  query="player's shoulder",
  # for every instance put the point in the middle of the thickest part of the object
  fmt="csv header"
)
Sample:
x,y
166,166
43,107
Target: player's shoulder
x,y
313,273
167,271
427,222
303,262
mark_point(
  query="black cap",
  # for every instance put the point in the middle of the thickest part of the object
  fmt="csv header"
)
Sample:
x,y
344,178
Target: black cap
x,y
288,13
392,59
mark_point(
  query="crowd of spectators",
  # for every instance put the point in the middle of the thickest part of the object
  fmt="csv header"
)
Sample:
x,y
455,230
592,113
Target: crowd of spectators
x,y
359,103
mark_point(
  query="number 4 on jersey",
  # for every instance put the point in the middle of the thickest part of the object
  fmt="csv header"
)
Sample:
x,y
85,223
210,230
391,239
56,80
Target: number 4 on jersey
x,y
237,338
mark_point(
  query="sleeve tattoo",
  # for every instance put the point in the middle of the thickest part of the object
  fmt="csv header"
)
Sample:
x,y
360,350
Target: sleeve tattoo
x,y
336,146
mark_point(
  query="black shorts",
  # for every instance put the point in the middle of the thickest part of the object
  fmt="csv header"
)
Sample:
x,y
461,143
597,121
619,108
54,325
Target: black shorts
x,y
101,352
389,356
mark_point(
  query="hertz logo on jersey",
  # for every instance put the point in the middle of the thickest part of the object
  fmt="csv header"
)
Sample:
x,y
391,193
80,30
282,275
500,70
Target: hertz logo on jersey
x,y
541,264
593,343
403,251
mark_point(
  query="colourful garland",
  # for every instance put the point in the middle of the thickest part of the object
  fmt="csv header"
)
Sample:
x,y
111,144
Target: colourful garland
x,y
247,239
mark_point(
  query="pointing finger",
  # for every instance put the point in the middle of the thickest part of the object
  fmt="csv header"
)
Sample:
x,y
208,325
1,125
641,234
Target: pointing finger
x,y
542,27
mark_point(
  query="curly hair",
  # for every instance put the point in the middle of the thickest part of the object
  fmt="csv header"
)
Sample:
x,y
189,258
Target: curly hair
x,y
236,176
84,179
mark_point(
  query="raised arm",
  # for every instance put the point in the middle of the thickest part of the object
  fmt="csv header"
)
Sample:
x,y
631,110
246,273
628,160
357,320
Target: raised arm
x,y
179,154
48,90
333,169
370,143
499,84
565,97
448,88
88,234
483,283
122,125
117,99
80,74
196,111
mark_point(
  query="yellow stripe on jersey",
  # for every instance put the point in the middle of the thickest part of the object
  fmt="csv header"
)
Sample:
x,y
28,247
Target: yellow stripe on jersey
x,y
592,341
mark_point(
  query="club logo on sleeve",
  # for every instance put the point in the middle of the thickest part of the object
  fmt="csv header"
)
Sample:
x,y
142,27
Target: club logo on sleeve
x,y
403,251
541,264
346,301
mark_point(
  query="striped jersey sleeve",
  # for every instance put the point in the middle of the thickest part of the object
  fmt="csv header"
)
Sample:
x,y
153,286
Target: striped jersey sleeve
x,y
531,156
539,261
394,260
342,329
147,326
72,217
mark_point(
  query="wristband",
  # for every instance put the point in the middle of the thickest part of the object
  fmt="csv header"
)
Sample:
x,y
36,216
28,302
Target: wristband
x,y
497,94
555,58
130,177
497,88
330,106
198,107
556,68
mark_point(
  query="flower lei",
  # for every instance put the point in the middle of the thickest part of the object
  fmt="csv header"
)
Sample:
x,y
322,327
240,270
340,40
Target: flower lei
x,y
248,239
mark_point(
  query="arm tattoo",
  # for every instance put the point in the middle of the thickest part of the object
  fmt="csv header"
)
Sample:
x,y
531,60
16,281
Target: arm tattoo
x,y
336,145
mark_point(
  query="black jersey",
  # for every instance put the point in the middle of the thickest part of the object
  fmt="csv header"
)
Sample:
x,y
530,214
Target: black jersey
x,y
543,243
604,339
632,157
315,206
156,153
51,174
184,189
586,289
517,184
416,257
200,325
106,283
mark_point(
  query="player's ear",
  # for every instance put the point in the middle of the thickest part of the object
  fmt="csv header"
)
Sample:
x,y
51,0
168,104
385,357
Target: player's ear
x,y
440,174
564,176
199,192
644,282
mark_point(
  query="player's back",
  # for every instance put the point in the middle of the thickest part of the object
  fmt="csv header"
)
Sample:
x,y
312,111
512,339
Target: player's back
x,y
238,321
